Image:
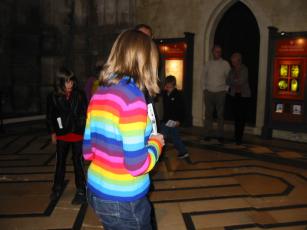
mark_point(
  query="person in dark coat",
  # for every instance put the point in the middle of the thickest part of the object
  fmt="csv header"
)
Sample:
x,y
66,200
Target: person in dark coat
x,y
173,115
66,117
240,93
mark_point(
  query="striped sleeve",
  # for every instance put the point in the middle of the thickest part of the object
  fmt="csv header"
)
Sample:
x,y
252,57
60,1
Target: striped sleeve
x,y
139,157
154,150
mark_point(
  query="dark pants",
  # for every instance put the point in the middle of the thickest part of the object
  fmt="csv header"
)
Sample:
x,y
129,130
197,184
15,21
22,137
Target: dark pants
x,y
214,101
240,109
116,215
172,133
62,149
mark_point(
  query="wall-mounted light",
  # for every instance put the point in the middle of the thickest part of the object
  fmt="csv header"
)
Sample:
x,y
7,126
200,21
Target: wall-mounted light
x,y
300,41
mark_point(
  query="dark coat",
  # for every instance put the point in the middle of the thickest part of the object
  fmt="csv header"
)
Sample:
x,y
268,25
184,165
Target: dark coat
x,y
173,106
71,112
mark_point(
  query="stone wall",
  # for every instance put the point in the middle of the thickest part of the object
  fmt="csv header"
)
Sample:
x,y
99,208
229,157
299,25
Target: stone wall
x,y
39,36
6,8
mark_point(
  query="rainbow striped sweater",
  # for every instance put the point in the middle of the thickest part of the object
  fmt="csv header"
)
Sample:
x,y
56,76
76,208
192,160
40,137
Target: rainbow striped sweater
x,y
117,141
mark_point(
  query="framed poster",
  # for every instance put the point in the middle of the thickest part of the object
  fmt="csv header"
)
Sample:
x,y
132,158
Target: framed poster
x,y
279,108
297,109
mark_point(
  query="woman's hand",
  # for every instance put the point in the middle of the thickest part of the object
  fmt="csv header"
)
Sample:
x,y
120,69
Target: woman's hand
x,y
159,137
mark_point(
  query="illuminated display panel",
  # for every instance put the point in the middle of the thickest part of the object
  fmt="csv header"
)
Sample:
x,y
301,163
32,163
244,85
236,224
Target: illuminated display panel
x,y
295,47
283,70
295,71
283,85
173,55
175,67
289,75
288,78
294,85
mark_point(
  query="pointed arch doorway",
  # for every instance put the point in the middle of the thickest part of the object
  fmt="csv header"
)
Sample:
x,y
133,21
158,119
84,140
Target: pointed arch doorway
x,y
238,31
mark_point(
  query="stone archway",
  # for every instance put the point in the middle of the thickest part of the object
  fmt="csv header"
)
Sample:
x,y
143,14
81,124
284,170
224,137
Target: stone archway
x,y
263,23
238,31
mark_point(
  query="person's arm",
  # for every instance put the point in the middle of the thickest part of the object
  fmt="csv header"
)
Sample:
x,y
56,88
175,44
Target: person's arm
x,y
180,108
83,108
229,79
244,76
87,147
50,118
227,73
204,76
228,68
139,157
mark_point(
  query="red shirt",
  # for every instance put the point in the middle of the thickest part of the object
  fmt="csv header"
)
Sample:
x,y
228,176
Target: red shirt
x,y
70,137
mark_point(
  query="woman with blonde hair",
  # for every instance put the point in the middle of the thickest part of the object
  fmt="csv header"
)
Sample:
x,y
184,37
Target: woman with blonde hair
x,y
118,138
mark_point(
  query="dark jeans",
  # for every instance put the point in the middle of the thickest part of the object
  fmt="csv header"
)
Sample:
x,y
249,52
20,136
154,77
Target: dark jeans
x,y
240,109
62,149
173,134
116,215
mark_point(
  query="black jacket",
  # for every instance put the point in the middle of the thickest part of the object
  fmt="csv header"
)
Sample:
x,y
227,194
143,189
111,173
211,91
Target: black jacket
x,y
173,106
66,116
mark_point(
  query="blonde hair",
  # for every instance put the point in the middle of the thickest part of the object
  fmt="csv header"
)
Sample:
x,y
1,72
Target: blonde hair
x,y
135,55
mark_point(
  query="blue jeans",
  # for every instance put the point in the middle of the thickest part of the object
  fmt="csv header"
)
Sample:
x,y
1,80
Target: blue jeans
x,y
116,215
173,133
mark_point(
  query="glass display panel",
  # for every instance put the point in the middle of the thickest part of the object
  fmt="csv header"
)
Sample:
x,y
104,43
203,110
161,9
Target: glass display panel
x,y
175,68
294,85
282,85
295,71
283,70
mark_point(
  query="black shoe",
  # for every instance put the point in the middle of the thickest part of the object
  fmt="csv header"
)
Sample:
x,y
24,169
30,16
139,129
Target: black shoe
x,y
55,195
183,155
79,198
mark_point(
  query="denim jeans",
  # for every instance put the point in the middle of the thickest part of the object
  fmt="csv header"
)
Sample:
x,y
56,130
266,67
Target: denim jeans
x,y
117,215
173,133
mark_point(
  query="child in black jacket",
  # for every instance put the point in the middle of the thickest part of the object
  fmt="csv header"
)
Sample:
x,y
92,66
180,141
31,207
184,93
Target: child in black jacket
x,y
173,115
66,117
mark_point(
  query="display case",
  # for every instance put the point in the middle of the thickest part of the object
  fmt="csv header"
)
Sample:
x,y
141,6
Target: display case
x,y
286,101
176,58
288,78
173,57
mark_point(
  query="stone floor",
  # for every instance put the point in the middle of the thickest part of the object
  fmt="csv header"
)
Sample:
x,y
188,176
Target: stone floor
x,y
259,185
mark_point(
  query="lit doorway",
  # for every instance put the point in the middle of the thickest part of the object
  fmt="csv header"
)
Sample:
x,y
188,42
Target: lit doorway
x,y
238,31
